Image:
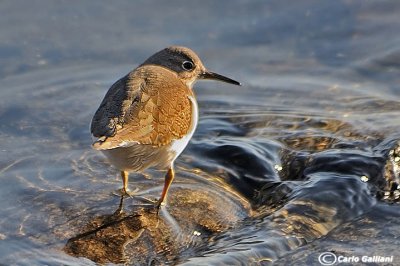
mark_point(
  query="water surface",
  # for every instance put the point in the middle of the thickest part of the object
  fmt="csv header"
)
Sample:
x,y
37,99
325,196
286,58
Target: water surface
x,y
300,160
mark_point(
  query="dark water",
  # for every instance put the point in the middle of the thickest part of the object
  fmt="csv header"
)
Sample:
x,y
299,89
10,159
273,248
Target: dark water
x,y
300,160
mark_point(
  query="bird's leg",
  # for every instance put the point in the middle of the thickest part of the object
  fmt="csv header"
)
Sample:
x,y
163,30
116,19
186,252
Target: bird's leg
x,y
124,191
125,178
167,183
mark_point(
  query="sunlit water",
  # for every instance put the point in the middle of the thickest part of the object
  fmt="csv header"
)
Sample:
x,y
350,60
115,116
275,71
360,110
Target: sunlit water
x,y
302,159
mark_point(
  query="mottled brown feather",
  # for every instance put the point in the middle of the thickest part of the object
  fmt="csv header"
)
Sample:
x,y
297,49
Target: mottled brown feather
x,y
148,106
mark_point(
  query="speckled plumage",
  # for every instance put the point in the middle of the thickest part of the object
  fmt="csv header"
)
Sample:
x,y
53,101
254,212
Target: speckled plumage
x,y
148,106
147,117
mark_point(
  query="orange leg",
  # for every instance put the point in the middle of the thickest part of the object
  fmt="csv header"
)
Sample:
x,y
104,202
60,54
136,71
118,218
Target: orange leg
x,y
125,177
167,183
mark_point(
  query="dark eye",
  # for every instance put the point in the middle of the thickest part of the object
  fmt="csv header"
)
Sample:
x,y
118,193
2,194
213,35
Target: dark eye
x,y
187,65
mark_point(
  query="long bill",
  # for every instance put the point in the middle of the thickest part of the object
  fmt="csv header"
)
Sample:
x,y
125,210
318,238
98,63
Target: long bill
x,y
215,76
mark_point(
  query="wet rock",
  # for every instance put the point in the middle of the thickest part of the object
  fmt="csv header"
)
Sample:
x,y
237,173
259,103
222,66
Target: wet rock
x,y
391,188
140,237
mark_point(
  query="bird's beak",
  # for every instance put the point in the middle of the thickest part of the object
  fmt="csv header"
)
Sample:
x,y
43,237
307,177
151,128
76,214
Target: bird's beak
x,y
215,76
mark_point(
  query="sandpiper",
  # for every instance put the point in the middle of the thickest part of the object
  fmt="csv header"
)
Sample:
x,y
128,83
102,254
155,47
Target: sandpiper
x,y
147,118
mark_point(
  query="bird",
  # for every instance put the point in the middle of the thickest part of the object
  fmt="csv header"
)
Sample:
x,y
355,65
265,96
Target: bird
x,y
148,117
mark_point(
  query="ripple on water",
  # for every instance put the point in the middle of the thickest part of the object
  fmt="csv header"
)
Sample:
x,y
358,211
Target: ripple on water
x,y
254,183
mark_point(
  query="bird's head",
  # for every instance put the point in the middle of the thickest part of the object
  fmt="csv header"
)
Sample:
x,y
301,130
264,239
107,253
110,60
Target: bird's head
x,y
186,64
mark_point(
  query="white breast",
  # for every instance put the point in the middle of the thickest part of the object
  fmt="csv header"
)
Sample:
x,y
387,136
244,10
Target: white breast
x,y
179,145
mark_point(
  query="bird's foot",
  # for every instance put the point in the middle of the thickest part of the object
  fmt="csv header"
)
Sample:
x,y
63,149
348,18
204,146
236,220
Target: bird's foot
x,y
158,206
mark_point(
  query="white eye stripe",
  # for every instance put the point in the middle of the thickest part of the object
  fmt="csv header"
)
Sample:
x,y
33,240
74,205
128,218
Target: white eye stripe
x,y
187,65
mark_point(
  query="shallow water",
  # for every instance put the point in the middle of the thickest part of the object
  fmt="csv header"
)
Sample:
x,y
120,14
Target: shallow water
x,y
300,160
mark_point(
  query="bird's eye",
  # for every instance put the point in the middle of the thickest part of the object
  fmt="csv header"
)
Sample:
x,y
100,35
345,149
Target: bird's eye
x,y
187,65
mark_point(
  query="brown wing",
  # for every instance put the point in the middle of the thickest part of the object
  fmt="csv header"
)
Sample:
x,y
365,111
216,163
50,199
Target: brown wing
x,y
148,106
